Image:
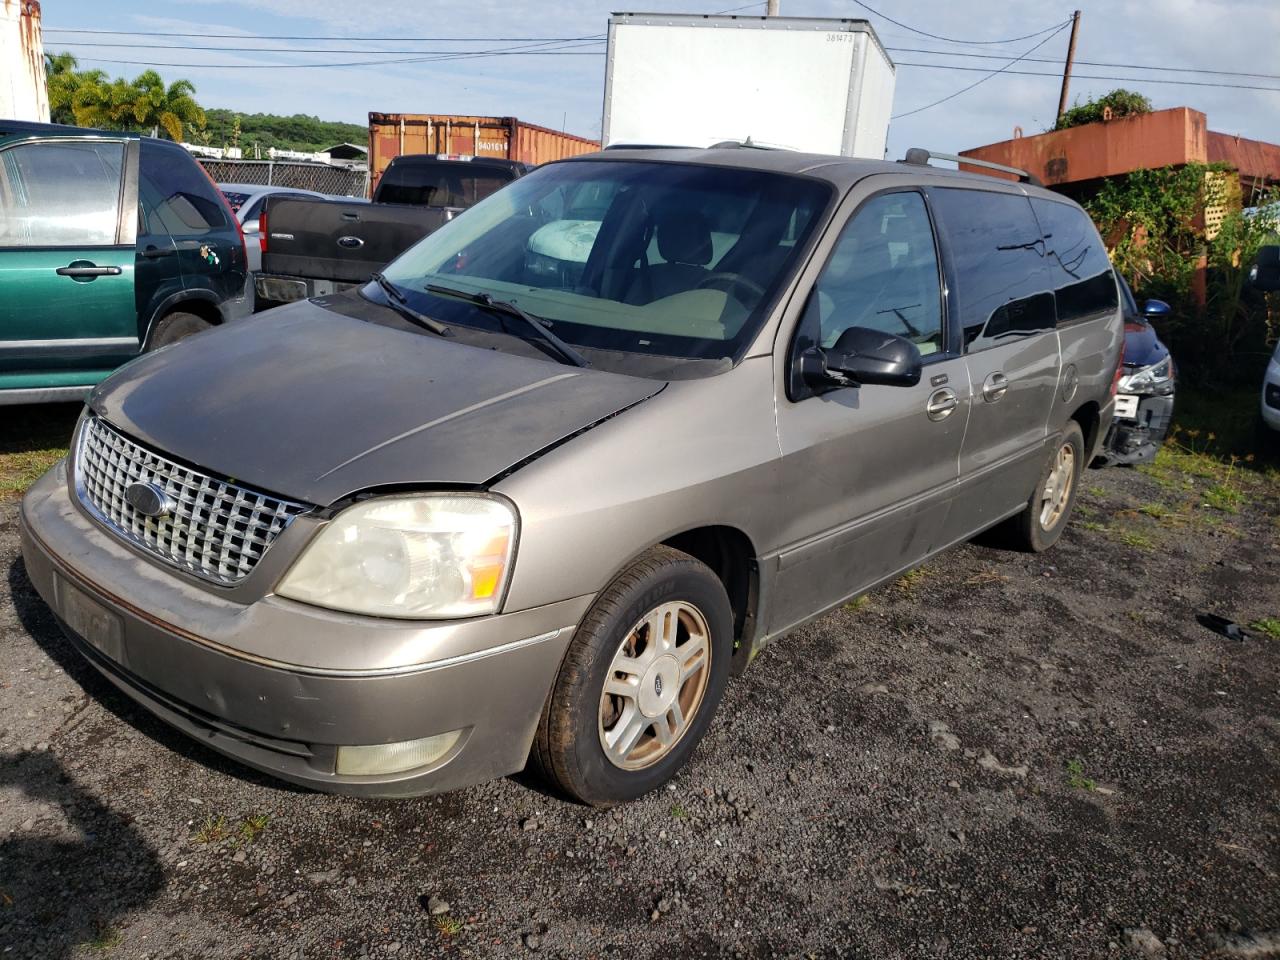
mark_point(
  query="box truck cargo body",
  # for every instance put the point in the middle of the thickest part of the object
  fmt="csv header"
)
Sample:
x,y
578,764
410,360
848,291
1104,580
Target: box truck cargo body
x,y
817,85
393,134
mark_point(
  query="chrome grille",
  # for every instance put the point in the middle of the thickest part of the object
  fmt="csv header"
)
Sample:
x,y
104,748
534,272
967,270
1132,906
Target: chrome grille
x,y
215,529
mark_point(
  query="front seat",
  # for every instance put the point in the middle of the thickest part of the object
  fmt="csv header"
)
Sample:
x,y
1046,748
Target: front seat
x,y
684,243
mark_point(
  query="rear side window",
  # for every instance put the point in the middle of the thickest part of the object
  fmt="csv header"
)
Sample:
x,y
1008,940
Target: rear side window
x,y
176,196
1084,283
1003,288
58,193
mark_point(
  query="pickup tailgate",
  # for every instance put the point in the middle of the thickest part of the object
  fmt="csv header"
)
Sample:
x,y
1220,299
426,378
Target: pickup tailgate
x,y
341,240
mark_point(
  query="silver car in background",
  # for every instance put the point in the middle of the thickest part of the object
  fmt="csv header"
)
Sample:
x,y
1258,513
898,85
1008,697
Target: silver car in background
x,y
536,492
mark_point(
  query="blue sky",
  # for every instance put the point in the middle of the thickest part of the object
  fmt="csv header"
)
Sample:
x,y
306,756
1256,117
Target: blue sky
x,y
1231,35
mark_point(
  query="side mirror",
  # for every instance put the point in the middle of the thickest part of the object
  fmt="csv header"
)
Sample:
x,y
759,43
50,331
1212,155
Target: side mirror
x,y
1265,272
249,229
1156,310
864,356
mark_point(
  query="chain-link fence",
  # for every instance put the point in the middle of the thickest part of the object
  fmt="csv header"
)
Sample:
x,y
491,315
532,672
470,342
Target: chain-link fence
x,y
321,177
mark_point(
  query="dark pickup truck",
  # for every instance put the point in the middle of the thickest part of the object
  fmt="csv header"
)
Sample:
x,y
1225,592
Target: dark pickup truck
x,y
311,247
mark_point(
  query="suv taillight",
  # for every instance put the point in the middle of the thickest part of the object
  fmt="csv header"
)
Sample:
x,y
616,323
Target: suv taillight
x,y
262,231
1115,381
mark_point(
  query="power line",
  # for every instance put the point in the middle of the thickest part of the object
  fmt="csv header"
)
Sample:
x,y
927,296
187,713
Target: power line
x,y
933,36
242,49
1080,76
1090,63
993,73
268,36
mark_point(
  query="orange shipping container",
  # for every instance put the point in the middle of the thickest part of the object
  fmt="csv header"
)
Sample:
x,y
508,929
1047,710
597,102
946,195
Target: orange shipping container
x,y
393,134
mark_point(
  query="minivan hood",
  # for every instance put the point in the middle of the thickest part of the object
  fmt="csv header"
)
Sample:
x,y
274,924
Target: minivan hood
x,y
312,405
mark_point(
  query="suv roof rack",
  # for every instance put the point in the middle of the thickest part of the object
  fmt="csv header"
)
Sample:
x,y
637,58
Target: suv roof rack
x,y
920,157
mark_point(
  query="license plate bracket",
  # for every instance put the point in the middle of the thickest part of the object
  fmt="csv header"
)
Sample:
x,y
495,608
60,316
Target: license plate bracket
x,y
1127,406
91,621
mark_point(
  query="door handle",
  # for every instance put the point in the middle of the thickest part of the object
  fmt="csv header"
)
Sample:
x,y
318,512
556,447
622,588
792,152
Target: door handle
x,y
82,269
153,252
941,404
995,387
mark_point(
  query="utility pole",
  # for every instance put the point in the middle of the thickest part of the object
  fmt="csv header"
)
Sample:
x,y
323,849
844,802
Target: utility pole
x,y
771,8
1066,69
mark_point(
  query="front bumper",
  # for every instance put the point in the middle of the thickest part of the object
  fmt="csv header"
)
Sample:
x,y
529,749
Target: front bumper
x,y
185,653
1138,439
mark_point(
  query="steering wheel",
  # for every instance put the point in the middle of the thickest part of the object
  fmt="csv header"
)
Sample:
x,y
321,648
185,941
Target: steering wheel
x,y
729,282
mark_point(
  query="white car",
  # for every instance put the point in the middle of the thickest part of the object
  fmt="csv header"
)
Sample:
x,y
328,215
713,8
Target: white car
x,y
1271,392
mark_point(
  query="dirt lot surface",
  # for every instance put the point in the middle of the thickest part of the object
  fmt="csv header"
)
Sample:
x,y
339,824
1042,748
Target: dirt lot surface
x,y
999,756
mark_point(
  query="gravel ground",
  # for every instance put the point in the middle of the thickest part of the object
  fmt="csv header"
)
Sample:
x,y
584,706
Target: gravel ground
x,y
998,756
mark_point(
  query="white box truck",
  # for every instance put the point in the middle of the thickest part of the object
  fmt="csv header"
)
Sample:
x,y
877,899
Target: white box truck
x,y
816,85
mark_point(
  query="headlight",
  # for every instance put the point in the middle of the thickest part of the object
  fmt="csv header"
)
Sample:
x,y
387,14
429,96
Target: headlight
x,y
425,557
1157,378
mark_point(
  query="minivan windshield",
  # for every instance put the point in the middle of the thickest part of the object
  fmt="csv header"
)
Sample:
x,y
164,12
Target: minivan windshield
x,y
668,259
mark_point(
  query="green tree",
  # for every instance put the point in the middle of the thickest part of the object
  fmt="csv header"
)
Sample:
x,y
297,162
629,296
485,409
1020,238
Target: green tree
x,y
76,97
145,102
1121,103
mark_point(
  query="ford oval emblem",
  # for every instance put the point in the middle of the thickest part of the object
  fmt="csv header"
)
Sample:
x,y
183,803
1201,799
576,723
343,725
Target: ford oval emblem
x,y
148,499
351,243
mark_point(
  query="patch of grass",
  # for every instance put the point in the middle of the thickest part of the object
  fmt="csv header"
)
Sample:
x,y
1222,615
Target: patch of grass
x,y
1094,526
251,827
911,579
1156,510
679,812
1133,538
859,603
1224,497
1268,626
33,442
213,830
1076,779
447,926
1097,491
105,939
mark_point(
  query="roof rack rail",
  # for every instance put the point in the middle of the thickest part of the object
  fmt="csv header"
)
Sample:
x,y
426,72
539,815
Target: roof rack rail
x,y
920,157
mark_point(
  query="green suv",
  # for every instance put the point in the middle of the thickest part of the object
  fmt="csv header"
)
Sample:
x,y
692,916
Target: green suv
x,y
111,244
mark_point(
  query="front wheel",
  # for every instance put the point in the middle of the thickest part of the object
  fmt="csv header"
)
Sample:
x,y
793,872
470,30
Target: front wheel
x,y
1040,525
639,683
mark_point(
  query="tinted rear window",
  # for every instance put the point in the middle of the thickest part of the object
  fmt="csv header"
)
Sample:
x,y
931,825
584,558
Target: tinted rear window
x,y
1003,284
60,193
176,195
1078,264
440,185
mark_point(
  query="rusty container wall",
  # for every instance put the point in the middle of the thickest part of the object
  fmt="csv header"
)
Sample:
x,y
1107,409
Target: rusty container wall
x,y
23,95
393,134
1106,149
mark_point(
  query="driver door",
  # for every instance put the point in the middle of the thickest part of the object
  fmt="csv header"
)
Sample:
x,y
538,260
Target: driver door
x,y
868,472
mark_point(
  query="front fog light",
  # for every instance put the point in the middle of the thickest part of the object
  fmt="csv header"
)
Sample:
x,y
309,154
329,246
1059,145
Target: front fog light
x,y
383,758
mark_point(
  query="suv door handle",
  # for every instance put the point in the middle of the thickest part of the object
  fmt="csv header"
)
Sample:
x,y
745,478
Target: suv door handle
x,y
153,252
82,268
995,387
941,404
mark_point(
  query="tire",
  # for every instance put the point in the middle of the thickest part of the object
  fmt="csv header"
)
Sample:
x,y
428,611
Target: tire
x,y
1038,527
664,587
174,327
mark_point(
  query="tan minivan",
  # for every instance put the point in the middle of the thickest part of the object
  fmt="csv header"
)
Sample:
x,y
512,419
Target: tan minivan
x,y
536,492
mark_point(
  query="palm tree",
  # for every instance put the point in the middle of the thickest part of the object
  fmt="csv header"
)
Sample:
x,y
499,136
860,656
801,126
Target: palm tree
x,y
147,102
75,97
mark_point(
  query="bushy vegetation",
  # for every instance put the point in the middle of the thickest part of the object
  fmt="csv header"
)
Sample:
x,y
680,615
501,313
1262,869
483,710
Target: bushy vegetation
x,y
226,128
1153,225
89,98
1121,102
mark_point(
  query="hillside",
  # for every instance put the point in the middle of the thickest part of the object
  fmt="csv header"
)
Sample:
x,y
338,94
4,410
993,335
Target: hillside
x,y
298,132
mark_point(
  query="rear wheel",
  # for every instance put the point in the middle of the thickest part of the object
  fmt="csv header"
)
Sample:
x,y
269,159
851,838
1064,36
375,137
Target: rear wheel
x,y
1040,525
639,683
176,326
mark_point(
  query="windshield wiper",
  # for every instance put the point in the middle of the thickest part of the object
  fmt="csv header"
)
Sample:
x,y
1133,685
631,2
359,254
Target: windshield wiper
x,y
510,309
400,304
